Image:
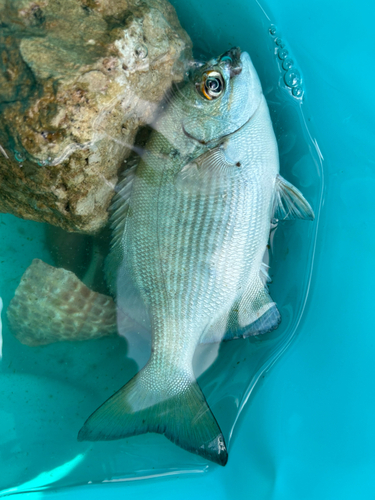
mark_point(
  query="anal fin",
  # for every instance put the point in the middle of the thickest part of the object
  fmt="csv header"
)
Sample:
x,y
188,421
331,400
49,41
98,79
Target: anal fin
x,y
254,313
267,322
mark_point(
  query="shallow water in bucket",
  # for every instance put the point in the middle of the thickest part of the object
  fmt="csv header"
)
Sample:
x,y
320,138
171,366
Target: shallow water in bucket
x,y
61,384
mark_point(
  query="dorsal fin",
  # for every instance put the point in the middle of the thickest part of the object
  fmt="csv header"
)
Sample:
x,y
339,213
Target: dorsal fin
x,y
119,209
117,268
289,202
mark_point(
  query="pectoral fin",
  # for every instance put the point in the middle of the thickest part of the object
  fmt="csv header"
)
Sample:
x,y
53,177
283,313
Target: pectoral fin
x,y
208,172
289,202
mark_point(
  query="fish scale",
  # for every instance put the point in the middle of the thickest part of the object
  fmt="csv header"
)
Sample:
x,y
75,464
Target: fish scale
x,y
199,240
195,217
197,283
192,286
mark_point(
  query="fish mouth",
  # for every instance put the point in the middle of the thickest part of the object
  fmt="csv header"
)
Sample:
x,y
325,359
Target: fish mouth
x,y
232,59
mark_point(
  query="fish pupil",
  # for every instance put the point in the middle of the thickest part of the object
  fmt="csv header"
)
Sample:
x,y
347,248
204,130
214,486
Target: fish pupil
x,y
214,86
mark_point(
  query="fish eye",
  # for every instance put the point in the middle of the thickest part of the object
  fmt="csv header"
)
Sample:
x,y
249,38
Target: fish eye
x,y
212,85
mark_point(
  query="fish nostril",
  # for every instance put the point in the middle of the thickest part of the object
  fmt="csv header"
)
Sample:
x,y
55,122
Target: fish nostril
x,y
233,59
235,71
235,53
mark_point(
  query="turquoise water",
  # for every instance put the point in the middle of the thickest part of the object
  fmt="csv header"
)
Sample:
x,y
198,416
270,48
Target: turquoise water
x,y
306,433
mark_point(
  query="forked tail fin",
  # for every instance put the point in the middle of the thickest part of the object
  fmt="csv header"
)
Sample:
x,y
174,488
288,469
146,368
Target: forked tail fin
x,y
185,419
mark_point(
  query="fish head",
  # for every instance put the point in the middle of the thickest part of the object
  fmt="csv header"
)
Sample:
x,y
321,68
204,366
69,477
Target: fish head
x,y
220,96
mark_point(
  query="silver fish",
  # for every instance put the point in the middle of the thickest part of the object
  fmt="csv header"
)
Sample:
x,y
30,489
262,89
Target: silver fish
x,y
191,223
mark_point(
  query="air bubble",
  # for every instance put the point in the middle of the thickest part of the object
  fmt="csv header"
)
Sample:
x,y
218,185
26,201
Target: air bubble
x,y
272,30
292,78
283,54
288,63
297,91
19,156
141,51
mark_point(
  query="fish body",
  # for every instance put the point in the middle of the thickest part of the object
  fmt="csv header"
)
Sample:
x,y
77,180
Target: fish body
x,y
191,224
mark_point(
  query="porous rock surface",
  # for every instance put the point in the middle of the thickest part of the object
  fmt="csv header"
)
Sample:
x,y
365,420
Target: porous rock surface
x,y
77,79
